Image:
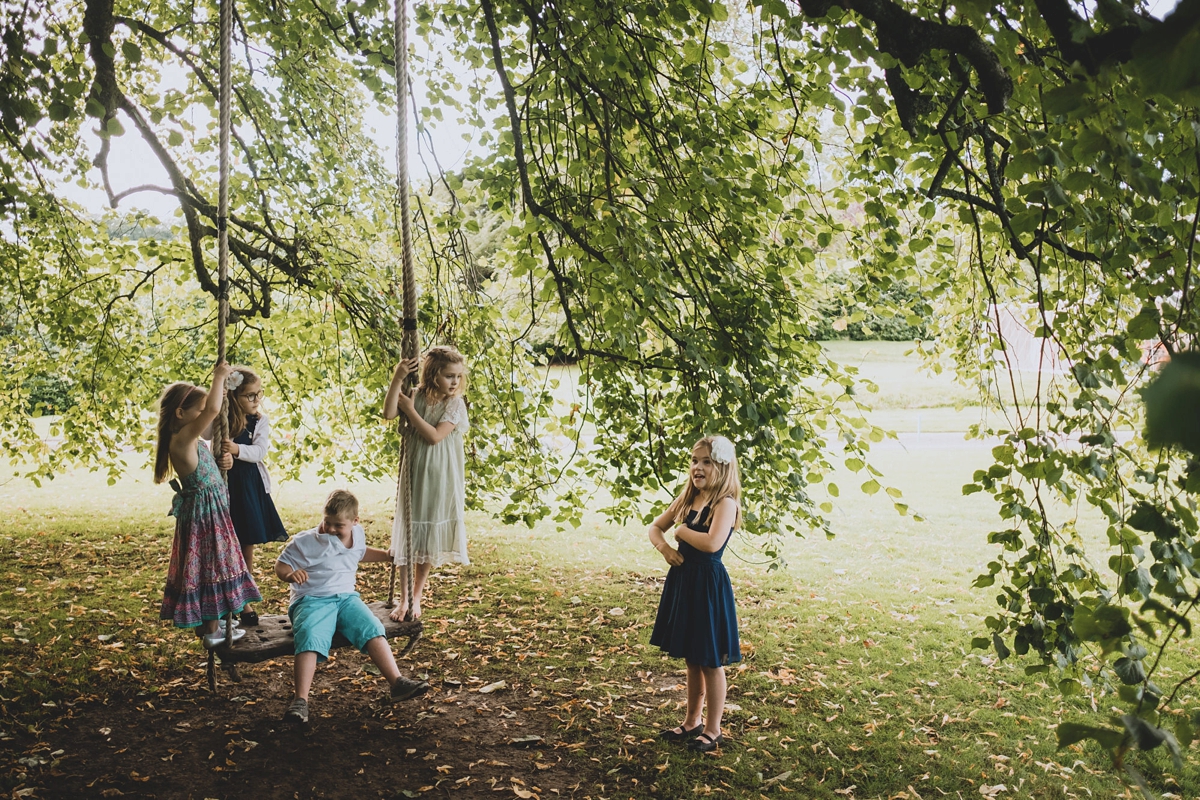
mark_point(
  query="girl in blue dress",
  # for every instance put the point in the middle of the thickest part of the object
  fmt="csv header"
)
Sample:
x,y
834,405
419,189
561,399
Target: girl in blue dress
x,y
254,515
697,620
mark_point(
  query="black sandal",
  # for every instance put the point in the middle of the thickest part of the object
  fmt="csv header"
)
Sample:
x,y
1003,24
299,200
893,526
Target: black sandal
x,y
705,743
248,618
679,733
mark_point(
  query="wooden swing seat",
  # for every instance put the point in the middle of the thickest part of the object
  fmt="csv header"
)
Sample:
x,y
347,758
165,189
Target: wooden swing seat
x,y
272,638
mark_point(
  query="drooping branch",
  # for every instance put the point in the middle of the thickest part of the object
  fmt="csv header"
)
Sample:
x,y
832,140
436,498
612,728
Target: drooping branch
x,y
514,116
98,24
187,58
910,38
1094,49
284,254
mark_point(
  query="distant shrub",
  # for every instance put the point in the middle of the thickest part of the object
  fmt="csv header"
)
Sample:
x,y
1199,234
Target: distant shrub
x,y
876,325
47,394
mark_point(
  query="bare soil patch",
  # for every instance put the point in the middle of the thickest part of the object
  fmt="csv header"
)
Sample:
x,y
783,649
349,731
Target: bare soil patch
x,y
193,744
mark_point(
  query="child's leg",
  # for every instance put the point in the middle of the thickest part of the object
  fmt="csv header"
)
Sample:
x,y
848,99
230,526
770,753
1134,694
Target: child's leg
x,y
303,668
248,555
314,621
383,658
420,576
402,688
365,631
402,591
714,683
695,695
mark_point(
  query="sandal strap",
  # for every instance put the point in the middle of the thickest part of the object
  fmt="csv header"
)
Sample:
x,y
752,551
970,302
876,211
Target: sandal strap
x,y
706,737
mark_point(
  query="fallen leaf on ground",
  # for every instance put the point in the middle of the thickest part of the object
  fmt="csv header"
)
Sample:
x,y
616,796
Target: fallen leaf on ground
x,y
783,776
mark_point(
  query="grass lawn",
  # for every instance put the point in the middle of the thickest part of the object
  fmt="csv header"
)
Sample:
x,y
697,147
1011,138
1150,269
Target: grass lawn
x,y
858,679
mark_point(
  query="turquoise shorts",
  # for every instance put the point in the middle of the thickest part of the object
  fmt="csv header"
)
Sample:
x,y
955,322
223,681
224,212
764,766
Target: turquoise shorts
x,y
315,620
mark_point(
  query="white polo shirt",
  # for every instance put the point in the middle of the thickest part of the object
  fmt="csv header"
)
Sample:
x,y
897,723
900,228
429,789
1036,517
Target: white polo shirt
x,y
332,567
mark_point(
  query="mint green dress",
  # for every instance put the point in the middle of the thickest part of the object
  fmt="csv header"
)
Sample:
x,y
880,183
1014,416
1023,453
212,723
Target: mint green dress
x,y
438,491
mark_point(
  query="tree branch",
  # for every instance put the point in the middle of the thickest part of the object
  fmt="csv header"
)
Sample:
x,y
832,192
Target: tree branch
x,y
1094,49
910,38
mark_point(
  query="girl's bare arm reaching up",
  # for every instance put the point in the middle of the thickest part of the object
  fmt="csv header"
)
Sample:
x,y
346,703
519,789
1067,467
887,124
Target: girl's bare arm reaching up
x,y
183,442
390,401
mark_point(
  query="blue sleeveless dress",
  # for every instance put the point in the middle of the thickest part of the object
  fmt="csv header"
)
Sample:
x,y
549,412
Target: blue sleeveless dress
x,y
697,620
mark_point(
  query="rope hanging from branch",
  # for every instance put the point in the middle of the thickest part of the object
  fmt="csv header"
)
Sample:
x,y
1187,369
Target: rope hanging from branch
x,y
220,425
274,636
410,342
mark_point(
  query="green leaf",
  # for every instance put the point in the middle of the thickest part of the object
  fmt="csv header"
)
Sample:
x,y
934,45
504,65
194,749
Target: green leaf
x,y
1145,735
1001,648
1184,731
1171,400
1065,99
1145,324
1104,623
59,111
1129,670
1070,733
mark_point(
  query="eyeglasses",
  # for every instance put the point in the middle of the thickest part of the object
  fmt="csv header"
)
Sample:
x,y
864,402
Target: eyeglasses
x,y
253,397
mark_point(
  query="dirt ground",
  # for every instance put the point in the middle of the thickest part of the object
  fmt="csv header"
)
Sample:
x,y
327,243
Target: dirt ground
x,y
454,741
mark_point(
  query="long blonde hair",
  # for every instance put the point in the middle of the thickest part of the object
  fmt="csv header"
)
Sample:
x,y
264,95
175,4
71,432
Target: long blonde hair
x,y
728,483
237,417
178,395
435,358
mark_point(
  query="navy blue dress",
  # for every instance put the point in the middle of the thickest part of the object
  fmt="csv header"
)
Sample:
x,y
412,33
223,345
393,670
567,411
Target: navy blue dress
x,y
250,507
696,618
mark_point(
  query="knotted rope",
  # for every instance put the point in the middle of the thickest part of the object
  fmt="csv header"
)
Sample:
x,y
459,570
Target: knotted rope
x,y
220,426
410,344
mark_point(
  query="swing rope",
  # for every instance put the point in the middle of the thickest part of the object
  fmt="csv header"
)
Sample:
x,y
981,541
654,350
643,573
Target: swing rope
x,y
273,637
220,425
410,344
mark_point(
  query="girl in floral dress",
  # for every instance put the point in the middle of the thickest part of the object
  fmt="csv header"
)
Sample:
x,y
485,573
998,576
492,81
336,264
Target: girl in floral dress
x,y
207,578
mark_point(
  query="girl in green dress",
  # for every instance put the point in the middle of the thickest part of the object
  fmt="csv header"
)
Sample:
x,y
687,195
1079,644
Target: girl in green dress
x,y
438,416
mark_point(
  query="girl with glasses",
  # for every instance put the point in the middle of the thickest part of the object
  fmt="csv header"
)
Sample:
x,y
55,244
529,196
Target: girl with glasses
x,y
253,512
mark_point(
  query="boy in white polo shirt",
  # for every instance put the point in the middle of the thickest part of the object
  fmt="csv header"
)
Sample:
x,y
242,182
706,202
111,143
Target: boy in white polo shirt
x,y
322,565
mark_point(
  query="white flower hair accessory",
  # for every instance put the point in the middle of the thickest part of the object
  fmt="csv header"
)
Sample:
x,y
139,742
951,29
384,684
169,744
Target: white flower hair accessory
x,y
233,380
722,450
